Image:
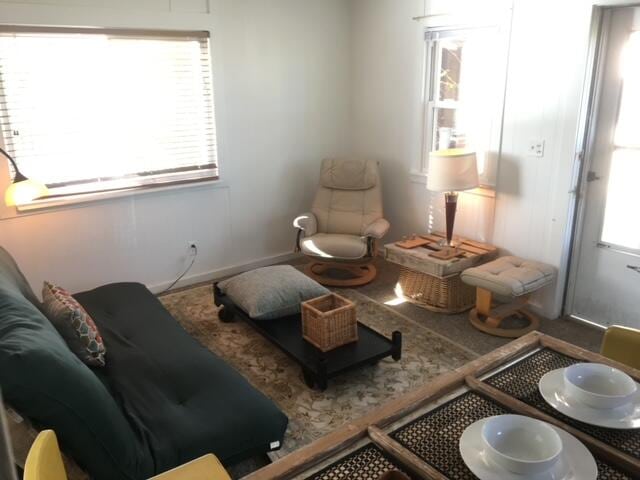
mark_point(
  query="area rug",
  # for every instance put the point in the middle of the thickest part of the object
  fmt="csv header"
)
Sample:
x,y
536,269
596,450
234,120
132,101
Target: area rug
x,y
312,414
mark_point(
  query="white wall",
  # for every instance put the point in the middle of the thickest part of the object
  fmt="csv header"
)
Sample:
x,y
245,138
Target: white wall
x,y
544,87
282,99
533,205
387,62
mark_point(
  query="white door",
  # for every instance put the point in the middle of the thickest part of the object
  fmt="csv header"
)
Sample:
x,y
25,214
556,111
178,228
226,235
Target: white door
x,y
605,285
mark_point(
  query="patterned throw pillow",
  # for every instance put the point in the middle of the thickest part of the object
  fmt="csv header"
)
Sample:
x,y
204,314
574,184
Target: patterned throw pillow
x,y
74,325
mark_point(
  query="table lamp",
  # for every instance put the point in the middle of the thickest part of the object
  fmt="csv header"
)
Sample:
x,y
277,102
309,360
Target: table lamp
x,y
452,171
22,189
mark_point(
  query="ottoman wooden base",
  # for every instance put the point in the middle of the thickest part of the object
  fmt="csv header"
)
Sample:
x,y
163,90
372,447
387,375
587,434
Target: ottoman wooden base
x,y
444,295
485,325
488,319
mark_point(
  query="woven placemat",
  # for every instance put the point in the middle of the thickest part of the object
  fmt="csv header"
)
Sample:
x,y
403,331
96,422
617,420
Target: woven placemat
x,y
366,463
435,436
521,381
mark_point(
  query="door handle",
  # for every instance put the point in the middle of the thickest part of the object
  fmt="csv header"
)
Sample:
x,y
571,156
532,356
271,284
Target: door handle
x,y
592,176
635,268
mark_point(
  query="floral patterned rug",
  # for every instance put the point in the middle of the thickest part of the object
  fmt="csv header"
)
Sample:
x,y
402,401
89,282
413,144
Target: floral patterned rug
x,y
312,413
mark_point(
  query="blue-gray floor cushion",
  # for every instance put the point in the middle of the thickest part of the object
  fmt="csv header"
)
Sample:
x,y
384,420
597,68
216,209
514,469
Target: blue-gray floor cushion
x,y
181,398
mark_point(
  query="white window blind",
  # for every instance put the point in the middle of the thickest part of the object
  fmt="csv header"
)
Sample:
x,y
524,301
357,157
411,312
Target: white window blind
x,y
86,110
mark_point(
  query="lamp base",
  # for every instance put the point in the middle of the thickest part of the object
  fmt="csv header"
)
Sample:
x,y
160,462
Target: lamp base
x,y
446,244
451,204
447,253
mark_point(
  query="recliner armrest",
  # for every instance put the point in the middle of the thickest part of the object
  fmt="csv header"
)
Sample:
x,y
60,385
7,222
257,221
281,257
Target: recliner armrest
x,y
307,223
377,229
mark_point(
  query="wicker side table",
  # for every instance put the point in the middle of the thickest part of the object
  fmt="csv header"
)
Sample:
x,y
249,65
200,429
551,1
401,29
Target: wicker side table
x,y
433,283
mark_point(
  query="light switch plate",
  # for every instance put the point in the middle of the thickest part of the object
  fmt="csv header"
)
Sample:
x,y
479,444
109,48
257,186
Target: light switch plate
x,y
535,148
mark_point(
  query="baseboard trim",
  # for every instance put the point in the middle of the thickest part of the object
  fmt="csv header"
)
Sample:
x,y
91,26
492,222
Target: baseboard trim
x,y
221,273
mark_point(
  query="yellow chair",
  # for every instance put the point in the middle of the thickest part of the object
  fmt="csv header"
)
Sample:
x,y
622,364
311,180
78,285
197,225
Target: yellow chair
x,y
203,468
622,344
44,462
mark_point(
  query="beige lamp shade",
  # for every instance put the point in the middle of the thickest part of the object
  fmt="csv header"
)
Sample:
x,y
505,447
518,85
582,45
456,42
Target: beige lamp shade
x,y
24,191
452,170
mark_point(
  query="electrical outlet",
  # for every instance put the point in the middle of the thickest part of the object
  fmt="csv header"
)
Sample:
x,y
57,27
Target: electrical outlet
x,y
536,148
193,247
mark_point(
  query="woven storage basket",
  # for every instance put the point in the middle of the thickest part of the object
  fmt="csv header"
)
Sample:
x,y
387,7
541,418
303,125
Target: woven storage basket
x,y
445,295
329,321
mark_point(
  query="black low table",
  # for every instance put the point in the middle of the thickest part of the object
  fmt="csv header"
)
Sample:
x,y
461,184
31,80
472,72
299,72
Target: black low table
x,y
317,366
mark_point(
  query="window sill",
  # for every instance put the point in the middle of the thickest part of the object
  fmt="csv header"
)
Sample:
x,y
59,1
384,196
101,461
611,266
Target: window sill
x,y
44,205
482,191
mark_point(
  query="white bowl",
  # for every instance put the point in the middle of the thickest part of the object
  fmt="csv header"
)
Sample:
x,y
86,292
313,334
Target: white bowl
x,y
599,386
521,444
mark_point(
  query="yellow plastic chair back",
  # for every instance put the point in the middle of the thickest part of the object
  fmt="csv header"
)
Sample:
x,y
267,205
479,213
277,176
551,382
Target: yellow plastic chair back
x,y
44,461
622,344
203,468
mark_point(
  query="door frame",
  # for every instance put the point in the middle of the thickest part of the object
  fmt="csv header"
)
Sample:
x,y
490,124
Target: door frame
x,y
598,38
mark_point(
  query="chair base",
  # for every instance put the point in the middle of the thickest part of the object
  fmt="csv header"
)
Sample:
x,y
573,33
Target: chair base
x,y
362,273
488,320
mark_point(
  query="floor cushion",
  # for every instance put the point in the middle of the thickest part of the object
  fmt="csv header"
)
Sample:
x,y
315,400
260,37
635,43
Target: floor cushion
x,y
271,292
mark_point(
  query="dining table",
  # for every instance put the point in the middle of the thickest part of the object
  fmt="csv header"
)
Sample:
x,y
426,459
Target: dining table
x,y
418,433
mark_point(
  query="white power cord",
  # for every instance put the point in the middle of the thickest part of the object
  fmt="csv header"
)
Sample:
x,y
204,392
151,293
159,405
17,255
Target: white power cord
x,y
194,249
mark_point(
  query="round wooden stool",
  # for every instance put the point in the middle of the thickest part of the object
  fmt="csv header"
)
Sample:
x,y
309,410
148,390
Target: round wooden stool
x,y
508,277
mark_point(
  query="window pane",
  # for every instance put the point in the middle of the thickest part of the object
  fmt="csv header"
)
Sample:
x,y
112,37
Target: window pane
x,y
79,107
627,130
446,135
469,85
621,225
450,68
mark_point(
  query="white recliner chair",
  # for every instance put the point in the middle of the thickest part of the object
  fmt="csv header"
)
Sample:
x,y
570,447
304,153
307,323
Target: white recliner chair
x,y
345,221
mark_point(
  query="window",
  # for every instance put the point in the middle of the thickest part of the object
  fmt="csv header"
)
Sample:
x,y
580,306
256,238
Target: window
x,y
464,92
91,110
625,161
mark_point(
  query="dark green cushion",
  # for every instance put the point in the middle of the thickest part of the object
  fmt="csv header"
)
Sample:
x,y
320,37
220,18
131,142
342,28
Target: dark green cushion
x,y
186,400
45,381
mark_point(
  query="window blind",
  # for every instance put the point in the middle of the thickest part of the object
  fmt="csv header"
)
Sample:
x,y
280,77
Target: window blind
x,y
90,110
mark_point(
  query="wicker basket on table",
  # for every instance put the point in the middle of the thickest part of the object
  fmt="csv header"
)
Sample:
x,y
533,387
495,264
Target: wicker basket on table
x,y
329,322
444,295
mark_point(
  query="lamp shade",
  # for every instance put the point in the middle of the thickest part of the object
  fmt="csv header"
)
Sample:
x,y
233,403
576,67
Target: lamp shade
x,y
452,170
23,191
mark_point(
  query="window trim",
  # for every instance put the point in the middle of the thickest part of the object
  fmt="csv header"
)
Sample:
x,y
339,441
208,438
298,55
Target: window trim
x,y
500,21
129,32
82,199
432,100
197,176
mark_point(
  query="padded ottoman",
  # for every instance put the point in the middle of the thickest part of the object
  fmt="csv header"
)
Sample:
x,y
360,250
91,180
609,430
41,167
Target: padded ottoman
x,y
508,277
